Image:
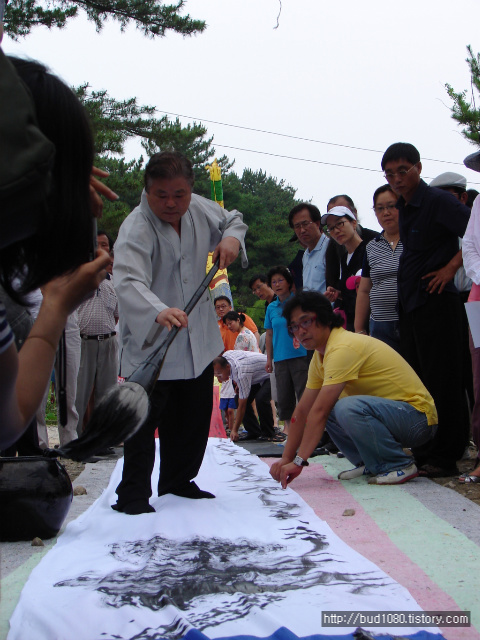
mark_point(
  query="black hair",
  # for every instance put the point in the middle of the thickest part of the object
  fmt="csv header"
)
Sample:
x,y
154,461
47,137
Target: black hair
x,y
314,212
101,232
168,164
472,194
351,204
318,304
401,151
233,315
64,236
383,189
223,362
259,276
283,271
226,298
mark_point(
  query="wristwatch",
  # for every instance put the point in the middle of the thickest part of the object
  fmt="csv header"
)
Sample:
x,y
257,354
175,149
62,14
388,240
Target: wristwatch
x,y
300,462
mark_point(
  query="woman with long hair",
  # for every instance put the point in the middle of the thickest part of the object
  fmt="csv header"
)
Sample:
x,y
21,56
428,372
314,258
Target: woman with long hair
x,y
48,244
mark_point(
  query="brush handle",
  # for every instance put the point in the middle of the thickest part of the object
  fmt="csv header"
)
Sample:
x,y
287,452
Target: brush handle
x,y
147,372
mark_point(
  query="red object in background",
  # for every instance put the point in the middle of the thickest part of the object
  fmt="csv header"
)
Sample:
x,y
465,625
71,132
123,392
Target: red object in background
x,y
217,430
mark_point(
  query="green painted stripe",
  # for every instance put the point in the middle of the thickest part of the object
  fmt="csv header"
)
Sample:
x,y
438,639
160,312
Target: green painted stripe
x,y
445,554
11,587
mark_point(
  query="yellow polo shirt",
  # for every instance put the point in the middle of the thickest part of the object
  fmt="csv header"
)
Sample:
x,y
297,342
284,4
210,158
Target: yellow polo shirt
x,y
369,367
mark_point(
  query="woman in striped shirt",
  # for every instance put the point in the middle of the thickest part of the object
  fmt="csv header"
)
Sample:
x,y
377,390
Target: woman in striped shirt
x,y
377,298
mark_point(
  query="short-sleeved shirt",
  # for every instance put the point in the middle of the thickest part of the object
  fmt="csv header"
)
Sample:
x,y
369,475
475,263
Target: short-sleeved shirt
x,y
283,348
229,337
98,314
380,264
430,225
246,341
314,278
6,334
246,369
369,367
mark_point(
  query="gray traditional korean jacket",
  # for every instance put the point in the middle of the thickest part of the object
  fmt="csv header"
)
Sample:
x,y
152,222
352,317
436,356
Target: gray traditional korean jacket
x,y
155,269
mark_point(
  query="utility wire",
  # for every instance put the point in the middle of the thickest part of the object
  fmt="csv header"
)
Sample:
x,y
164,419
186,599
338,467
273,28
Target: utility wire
x,y
331,164
286,135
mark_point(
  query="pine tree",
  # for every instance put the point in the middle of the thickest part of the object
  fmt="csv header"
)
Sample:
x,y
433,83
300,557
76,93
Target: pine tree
x,y
152,17
464,110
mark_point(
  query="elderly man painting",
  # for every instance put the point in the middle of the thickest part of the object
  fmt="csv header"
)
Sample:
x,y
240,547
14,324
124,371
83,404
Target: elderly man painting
x,y
160,258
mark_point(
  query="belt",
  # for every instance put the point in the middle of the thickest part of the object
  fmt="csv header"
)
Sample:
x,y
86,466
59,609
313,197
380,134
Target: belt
x,y
100,337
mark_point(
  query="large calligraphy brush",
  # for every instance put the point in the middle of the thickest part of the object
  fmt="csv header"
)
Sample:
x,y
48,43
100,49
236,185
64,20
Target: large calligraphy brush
x,y
123,410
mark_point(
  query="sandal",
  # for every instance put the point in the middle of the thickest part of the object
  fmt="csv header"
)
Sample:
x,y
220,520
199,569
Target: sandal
x,y
276,438
466,478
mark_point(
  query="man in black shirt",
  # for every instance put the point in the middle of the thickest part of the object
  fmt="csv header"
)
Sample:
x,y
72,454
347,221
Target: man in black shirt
x,y
431,221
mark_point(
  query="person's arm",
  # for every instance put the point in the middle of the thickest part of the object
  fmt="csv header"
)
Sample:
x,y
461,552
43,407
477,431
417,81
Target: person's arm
x,y
24,377
309,430
471,244
441,277
269,350
332,294
362,305
296,430
240,414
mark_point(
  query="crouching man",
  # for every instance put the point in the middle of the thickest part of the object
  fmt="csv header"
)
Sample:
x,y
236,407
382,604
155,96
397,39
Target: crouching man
x,y
369,399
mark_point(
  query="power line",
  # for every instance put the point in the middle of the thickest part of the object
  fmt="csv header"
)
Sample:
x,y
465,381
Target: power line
x,y
286,135
278,155
331,164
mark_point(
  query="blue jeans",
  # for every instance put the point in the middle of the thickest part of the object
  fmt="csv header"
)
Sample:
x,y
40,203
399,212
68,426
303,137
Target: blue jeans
x,y
373,431
387,331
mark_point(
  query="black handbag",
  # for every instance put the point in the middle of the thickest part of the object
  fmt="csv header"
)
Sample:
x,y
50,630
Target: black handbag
x,y
35,496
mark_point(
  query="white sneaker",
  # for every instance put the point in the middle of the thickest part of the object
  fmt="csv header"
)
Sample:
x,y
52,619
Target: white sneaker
x,y
357,472
398,476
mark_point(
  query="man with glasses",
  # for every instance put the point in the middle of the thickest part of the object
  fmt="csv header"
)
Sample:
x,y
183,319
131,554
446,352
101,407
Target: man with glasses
x,y
304,219
430,314
362,391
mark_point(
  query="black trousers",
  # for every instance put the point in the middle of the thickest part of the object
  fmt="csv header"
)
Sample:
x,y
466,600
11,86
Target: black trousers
x,y
181,410
431,342
262,394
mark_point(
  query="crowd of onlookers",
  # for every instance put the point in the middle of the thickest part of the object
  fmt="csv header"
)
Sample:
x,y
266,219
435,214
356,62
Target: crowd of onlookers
x,y
405,286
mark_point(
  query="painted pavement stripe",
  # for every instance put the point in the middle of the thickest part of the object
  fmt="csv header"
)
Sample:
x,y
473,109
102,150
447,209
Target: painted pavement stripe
x,y
396,531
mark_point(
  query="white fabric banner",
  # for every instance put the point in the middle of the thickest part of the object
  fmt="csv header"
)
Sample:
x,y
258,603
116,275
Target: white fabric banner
x,y
253,560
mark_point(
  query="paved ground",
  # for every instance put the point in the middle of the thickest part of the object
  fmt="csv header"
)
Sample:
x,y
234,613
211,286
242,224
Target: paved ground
x,y
425,535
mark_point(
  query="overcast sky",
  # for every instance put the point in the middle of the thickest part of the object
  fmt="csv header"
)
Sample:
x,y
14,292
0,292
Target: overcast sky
x,y
349,74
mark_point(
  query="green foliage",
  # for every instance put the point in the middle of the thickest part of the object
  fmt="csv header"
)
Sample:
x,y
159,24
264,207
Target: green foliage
x,y
265,203
257,313
115,122
264,200
464,110
152,17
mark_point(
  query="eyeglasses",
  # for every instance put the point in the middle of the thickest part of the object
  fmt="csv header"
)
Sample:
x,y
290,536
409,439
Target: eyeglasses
x,y
335,227
401,173
295,328
302,225
259,287
275,282
387,207
220,307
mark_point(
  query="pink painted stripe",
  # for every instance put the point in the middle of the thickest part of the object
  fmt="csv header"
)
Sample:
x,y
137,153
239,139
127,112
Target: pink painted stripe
x,y
329,499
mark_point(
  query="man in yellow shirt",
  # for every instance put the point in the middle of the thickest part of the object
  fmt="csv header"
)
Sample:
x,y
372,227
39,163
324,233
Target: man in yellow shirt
x,y
369,399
